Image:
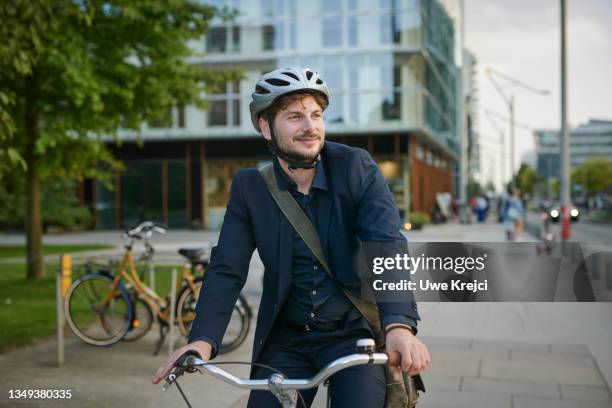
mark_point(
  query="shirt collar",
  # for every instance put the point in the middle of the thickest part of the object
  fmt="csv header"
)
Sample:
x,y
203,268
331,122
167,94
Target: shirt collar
x,y
285,182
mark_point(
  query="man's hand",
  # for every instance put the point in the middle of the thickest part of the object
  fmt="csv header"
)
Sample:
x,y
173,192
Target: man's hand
x,y
201,347
406,353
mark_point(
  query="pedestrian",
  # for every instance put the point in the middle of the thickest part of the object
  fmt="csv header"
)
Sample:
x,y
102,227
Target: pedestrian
x,y
307,317
513,215
481,209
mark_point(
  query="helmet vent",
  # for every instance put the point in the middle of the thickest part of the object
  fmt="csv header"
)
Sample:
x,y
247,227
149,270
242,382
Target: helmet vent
x,y
319,81
277,82
308,75
292,75
261,90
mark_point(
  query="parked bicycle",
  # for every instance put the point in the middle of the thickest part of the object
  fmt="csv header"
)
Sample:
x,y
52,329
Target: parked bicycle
x,y
101,309
286,390
240,321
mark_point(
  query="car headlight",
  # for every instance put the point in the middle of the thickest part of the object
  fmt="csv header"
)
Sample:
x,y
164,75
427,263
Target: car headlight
x,y
574,212
554,213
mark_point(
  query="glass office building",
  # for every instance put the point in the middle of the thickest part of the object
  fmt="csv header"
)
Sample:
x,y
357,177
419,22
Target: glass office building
x,y
390,65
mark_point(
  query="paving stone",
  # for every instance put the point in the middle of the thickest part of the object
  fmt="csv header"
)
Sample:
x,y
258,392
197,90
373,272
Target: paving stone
x,y
528,402
509,345
454,366
519,388
463,400
468,353
446,342
578,392
542,372
441,382
581,360
570,349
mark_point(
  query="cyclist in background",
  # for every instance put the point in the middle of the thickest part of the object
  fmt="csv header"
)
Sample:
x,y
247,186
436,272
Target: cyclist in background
x,y
305,320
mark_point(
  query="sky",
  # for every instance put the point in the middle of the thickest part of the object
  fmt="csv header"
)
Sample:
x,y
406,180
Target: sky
x,y
521,38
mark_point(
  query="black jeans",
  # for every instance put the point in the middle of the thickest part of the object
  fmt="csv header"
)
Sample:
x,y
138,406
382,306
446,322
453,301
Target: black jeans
x,y
300,355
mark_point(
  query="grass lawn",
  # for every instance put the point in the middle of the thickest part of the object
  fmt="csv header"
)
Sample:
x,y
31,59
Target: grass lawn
x,y
16,251
27,307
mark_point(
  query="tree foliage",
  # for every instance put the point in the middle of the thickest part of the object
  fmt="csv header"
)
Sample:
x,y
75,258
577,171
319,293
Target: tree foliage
x,y
594,175
526,179
74,72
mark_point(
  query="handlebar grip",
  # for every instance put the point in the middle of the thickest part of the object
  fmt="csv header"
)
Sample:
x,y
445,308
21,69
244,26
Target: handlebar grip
x,y
180,362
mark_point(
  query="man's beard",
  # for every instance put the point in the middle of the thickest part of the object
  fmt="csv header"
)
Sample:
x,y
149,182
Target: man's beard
x,y
297,157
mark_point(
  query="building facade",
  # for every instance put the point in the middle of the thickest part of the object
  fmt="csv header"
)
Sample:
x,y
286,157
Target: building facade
x,y
589,140
390,65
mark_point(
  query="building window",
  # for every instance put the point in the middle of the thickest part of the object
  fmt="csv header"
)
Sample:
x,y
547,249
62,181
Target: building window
x,y
216,39
268,37
217,113
354,94
235,38
279,36
391,80
420,153
224,109
293,36
331,34
353,38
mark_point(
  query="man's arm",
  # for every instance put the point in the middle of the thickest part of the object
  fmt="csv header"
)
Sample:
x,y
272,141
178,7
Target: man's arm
x,y
378,222
378,227
223,279
226,273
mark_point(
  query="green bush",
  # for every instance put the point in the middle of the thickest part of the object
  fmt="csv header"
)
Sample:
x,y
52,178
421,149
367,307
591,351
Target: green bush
x,y
419,218
60,204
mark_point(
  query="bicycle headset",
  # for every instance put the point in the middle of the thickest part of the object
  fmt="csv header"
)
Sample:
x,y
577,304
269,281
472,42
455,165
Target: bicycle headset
x,y
275,84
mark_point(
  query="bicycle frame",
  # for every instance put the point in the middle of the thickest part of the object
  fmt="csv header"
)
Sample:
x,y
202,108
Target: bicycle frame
x,y
158,304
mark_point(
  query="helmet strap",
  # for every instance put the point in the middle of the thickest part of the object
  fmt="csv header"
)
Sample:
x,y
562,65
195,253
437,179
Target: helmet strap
x,y
276,152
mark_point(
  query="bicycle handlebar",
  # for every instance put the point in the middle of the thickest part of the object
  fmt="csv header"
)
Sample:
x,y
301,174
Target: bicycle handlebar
x,y
365,355
147,227
287,383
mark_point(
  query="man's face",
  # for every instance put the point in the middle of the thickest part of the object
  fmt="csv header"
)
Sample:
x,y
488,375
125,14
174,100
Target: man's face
x,y
299,130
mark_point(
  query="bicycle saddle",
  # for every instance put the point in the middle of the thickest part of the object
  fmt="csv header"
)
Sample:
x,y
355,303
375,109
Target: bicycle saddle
x,y
194,255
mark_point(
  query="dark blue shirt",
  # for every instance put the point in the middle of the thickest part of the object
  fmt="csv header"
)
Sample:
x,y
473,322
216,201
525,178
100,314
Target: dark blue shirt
x,y
314,296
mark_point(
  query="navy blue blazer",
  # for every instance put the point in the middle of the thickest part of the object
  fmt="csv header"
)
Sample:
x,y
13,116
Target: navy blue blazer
x,y
358,207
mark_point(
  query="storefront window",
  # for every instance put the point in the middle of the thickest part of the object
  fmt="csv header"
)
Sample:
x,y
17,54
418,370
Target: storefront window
x,y
219,173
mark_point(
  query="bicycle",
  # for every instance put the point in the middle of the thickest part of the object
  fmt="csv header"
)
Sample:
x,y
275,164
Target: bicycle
x,y
240,321
125,312
284,389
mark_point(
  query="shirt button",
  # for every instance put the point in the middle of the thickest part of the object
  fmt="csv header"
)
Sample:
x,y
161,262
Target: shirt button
x,y
315,267
312,315
314,292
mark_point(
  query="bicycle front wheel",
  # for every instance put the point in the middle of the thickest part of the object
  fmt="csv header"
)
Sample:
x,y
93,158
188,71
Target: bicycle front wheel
x,y
94,314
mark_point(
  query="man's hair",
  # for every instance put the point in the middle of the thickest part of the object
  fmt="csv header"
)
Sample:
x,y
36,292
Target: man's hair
x,y
285,100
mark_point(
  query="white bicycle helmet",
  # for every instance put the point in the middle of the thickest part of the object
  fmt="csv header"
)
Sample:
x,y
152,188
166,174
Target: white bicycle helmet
x,y
283,81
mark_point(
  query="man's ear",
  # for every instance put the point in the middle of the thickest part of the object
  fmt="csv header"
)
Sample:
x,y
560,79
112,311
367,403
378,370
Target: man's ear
x,y
265,128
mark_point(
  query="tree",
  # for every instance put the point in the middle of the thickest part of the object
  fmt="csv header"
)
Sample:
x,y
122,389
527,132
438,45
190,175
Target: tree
x,y
73,72
594,175
526,179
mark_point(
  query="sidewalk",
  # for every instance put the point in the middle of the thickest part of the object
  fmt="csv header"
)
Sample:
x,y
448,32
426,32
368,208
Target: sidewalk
x,y
513,355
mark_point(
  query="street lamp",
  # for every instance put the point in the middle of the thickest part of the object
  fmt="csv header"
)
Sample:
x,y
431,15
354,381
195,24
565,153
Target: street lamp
x,y
492,73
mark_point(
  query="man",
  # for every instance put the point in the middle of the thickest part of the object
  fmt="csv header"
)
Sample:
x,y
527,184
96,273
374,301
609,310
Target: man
x,y
305,320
